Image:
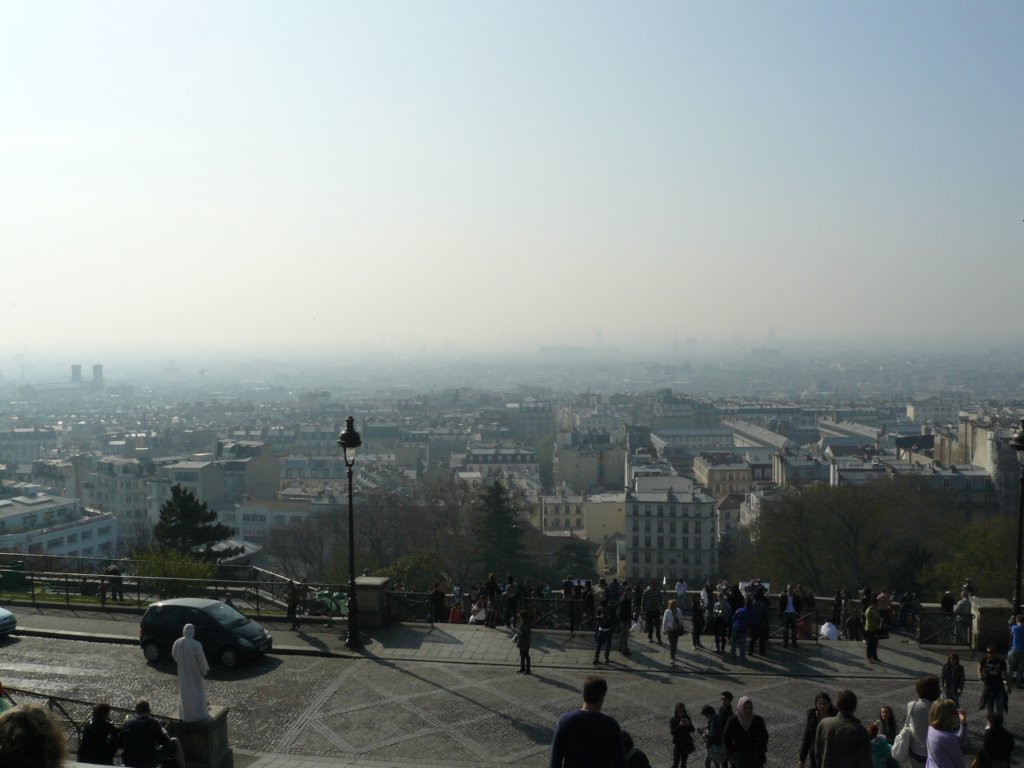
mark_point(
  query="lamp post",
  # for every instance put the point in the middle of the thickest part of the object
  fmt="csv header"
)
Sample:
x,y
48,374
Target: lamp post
x,y
349,441
1017,443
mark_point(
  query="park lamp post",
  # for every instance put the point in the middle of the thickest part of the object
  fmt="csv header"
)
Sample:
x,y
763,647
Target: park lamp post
x,y
1017,443
349,441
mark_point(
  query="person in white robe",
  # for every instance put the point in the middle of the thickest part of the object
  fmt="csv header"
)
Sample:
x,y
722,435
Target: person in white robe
x,y
192,668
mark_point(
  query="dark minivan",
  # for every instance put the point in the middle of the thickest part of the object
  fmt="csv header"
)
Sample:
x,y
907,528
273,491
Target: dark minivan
x,y
226,635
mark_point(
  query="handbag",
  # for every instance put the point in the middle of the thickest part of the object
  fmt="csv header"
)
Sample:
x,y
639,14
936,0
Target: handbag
x,y
901,745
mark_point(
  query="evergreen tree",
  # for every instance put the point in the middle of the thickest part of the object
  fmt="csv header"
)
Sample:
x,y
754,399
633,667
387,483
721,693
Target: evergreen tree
x,y
575,558
188,526
500,547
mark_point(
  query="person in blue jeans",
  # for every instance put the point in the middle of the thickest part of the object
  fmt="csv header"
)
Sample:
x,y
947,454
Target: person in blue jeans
x,y
1015,658
605,619
740,630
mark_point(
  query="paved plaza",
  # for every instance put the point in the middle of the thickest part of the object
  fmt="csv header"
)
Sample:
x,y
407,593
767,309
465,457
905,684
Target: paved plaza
x,y
449,694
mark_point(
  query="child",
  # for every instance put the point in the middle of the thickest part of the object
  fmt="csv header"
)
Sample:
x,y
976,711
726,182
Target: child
x,y
712,733
881,749
523,640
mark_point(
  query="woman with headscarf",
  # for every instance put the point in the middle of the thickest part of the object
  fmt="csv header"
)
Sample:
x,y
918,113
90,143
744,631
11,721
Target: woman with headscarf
x,y
746,736
192,669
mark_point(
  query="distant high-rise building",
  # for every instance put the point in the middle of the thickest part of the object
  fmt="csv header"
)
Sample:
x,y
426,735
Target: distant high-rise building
x,y
76,374
97,377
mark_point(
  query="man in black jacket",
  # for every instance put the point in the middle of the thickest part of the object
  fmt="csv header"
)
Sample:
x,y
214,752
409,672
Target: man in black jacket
x,y
146,743
789,612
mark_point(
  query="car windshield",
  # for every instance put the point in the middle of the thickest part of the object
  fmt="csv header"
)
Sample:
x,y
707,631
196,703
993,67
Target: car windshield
x,y
225,615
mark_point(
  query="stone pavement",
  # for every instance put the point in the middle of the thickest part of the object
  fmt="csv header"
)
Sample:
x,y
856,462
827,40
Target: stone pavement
x,y
448,695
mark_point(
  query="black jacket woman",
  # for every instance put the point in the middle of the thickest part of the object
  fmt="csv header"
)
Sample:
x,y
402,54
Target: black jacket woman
x,y
746,737
681,728
822,708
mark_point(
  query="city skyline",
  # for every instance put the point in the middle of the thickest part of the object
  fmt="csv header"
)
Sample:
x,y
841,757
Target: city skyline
x,y
254,176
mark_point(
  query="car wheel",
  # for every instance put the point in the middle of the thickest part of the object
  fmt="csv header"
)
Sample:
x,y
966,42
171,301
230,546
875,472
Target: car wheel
x,y
229,657
151,650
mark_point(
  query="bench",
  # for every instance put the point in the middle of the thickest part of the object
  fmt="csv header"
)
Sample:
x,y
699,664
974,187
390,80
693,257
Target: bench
x,y
64,588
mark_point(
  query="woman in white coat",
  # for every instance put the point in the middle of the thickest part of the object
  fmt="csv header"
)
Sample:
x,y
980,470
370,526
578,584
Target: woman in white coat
x,y
192,669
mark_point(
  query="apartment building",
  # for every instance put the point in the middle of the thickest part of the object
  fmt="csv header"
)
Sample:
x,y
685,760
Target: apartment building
x,y
491,459
671,534
23,445
41,524
595,517
121,487
724,472
589,460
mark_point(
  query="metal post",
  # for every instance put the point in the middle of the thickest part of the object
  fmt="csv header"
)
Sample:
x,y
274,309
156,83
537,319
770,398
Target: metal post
x,y
1020,545
352,641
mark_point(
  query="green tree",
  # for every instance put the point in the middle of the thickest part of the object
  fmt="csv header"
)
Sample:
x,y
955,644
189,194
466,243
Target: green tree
x,y
500,544
984,552
188,526
882,534
415,571
575,558
179,567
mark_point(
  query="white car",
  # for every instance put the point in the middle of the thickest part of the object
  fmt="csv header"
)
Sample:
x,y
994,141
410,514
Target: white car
x,y
7,622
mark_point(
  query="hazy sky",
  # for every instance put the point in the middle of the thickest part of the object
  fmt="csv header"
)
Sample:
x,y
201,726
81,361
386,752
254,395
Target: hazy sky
x,y
441,175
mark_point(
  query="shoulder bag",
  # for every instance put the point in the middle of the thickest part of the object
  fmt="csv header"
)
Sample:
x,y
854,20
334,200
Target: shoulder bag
x,y
901,745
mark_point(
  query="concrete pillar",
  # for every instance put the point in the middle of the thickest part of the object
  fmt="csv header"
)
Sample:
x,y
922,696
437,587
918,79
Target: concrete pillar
x,y
205,743
991,622
372,594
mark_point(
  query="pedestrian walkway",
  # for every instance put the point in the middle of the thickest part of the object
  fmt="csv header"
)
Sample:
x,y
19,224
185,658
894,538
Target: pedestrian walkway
x,y
448,695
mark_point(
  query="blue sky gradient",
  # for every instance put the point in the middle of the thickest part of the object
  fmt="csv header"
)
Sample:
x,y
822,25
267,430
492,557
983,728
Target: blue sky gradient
x,y
506,175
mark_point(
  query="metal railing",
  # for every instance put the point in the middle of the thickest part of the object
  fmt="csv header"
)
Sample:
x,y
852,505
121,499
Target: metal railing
x,y
945,629
71,714
265,595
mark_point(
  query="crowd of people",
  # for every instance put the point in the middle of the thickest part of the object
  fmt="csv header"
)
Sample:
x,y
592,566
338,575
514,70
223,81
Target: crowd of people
x,y
933,734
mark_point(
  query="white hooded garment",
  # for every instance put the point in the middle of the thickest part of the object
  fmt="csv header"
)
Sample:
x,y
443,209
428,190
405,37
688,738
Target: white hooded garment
x,y
192,669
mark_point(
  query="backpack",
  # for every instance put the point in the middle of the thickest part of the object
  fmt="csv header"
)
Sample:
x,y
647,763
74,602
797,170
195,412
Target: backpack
x,y
740,621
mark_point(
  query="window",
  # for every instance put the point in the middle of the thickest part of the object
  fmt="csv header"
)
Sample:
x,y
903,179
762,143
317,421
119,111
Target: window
x,y
647,526
696,526
661,510
636,542
686,543
636,525
672,526
661,542
647,510
647,557
661,527
686,526
647,541
636,556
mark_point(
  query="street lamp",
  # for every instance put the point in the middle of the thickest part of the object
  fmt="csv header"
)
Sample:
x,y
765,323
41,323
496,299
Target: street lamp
x,y
349,441
1017,443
